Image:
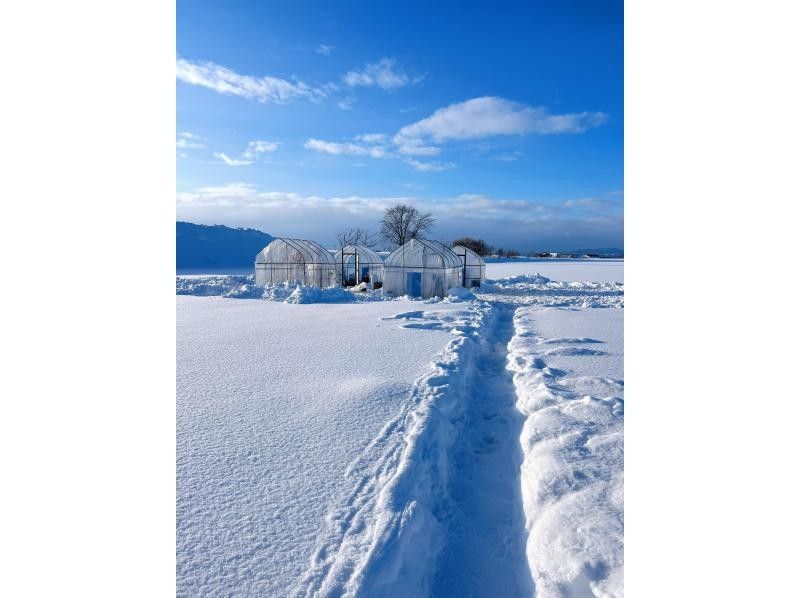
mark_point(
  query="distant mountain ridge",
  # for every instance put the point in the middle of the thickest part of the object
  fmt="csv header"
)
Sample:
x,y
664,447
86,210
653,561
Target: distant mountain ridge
x,y
217,246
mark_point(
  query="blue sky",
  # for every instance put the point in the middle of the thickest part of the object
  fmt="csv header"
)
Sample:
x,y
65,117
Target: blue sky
x,y
300,118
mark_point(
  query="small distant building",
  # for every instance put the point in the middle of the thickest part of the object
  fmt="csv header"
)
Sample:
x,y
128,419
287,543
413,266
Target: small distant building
x,y
356,264
295,261
421,268
473,268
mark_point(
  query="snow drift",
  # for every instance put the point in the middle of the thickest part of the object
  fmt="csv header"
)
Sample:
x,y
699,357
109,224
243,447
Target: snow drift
x,y
244,287
572,473
535,289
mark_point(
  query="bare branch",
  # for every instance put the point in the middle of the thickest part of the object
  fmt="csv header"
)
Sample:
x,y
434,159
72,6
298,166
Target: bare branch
x,y
401,223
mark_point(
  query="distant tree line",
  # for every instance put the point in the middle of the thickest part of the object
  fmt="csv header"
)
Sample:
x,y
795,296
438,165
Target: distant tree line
x,y
401,223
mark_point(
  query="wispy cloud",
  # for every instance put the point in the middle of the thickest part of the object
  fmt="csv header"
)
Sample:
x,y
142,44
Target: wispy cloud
x,y
492,116
223,80
374,145
252,153
348,149
415,147
255,148
346,103
429,166
373,138
231,161
188,140
590,221
384,74
473,119
324,49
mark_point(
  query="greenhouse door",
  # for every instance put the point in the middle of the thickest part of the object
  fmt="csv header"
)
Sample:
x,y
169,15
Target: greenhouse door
x,y
364,273
414,284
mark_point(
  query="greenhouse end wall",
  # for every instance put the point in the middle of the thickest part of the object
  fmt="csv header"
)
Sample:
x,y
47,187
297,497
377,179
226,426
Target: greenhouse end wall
x,y
356,264
419,282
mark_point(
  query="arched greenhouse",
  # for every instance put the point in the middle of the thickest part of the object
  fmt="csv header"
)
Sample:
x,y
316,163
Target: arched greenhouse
x,y
421,268
295,260
356,264
473,267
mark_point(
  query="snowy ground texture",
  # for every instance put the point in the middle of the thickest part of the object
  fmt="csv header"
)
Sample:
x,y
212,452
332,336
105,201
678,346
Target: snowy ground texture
x,y
339,444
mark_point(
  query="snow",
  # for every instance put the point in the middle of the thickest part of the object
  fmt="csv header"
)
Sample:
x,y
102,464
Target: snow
x,y
535,289
568,374
244,287
333,443
459,293
383,538
274,403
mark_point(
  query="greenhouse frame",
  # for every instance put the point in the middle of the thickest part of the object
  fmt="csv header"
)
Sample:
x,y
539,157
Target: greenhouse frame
x,y
356,264
421,268
295,261
473,267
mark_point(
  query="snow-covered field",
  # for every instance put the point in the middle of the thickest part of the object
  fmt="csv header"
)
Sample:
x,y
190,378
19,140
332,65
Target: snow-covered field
x,y
337,445
563,270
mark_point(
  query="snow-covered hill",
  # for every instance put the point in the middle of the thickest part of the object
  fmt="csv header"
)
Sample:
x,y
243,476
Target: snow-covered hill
x,y
210,248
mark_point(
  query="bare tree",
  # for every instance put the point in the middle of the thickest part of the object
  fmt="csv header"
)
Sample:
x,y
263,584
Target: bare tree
x,y
479,246
401,223
356,236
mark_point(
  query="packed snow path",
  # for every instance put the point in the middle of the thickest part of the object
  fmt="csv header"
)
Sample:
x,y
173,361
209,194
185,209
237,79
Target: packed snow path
x,y
484,554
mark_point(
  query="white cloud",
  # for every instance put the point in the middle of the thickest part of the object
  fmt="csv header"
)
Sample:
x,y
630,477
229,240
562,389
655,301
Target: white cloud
x,y
473,119
225,81
348,149
491,116
256,148
415,147
232,161
375,145
324,49
517,223
429,166
188,140
384,74
251,153
372,138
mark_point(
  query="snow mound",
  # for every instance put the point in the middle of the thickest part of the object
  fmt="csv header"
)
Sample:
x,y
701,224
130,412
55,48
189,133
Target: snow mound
x,y
304,294
243,287
524,278
572,471
207,286
459,293
535,289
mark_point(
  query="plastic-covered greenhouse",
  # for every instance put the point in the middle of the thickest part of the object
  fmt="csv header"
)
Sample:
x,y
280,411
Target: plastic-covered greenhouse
x,y
295,260
421,268
474,268
356,264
